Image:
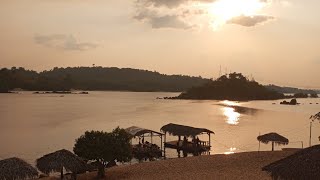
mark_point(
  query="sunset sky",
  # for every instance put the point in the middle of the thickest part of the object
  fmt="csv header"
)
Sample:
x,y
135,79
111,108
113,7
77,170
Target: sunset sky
x,y
277,41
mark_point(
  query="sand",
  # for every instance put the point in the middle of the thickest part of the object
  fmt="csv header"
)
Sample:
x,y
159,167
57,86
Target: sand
x,y
245,165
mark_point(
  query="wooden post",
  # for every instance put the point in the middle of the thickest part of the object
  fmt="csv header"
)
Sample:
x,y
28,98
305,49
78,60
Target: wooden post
x,y
272,146
209,139
310,134
161,142
164,146
151,138
62,173
259,144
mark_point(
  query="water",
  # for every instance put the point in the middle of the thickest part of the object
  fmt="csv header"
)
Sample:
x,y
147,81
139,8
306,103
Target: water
x,y
32,125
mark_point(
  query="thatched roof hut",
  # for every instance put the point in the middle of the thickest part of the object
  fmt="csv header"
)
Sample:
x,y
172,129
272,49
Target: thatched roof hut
x,y
56,161
15,168
274,138
181,130
137,131
305,164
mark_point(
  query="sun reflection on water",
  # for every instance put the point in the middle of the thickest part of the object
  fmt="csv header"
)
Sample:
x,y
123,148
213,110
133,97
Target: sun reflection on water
x,y
231,151
230,103
231,115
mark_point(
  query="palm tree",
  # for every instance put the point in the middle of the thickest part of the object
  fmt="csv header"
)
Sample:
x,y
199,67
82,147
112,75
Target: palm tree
x,y
315,117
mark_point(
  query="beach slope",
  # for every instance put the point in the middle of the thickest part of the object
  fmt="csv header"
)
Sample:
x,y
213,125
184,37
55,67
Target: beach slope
x,y
245,165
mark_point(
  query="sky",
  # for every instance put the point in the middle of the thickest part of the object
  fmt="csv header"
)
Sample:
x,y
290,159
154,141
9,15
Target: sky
x,y
275,41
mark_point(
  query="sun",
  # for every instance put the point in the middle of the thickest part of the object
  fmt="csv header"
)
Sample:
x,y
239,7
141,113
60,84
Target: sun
x,y
224,10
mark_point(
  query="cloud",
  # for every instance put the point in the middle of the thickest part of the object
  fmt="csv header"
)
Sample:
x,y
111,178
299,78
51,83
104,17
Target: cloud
x,y
175,14
168,3
64,42
191,14
169,22
249,21
157,20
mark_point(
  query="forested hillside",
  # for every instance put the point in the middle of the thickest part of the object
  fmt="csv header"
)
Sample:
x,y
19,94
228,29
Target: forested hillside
x,y
95,78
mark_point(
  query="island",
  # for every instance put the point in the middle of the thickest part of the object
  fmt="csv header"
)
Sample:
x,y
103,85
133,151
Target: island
x,y
233,86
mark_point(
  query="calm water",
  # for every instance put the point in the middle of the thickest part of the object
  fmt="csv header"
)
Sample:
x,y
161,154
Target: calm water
x,y
33,125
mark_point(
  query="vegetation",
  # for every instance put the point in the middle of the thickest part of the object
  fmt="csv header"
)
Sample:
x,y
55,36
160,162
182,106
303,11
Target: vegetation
x,y
94,78
315,117
314,95
147,151
104,147
231,87
291,90
300,95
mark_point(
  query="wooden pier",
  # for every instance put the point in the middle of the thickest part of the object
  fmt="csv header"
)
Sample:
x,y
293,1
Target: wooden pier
x,y
189,147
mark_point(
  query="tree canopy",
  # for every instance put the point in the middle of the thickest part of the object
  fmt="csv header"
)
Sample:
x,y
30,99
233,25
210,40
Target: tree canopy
x,y
94,78
104,147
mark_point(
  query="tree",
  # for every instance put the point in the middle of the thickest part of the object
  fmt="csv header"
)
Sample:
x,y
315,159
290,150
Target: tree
x,y
104,147
314,95
315,117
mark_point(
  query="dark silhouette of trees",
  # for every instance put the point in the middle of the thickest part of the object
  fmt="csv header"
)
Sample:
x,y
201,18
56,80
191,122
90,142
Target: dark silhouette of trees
x,y
314,95
291,90
104,147
95,78
300,95
234,86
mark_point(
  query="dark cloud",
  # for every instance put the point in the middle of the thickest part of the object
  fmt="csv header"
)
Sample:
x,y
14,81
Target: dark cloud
x,y
249,21
168,22
62,41
161,21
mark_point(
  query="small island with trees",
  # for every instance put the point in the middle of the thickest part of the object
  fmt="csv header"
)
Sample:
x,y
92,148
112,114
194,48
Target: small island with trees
x,y
233,86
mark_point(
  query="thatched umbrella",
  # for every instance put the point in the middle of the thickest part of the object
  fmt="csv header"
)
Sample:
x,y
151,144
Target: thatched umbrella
x,y
304,164
56,161
274,138
15,168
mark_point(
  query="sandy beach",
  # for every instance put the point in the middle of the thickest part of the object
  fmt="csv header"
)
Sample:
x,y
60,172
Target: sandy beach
x,y
245,165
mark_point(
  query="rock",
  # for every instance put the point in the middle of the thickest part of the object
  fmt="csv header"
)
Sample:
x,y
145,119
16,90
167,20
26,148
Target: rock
x,y
292,102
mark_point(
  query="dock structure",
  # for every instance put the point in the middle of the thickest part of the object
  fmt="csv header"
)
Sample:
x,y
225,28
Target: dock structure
x,y
195,147
141,133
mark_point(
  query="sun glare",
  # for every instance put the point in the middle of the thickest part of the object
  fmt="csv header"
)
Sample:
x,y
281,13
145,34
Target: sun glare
x,y
224,10
231,151
231,115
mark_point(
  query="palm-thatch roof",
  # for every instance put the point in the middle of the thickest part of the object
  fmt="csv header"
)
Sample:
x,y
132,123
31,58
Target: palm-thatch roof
x,y
55,161
15,168
305,164
273,137
137,131
181,130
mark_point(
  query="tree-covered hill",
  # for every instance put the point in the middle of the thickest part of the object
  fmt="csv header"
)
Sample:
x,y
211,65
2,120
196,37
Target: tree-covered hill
x,y
291,90
231,87
95,78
